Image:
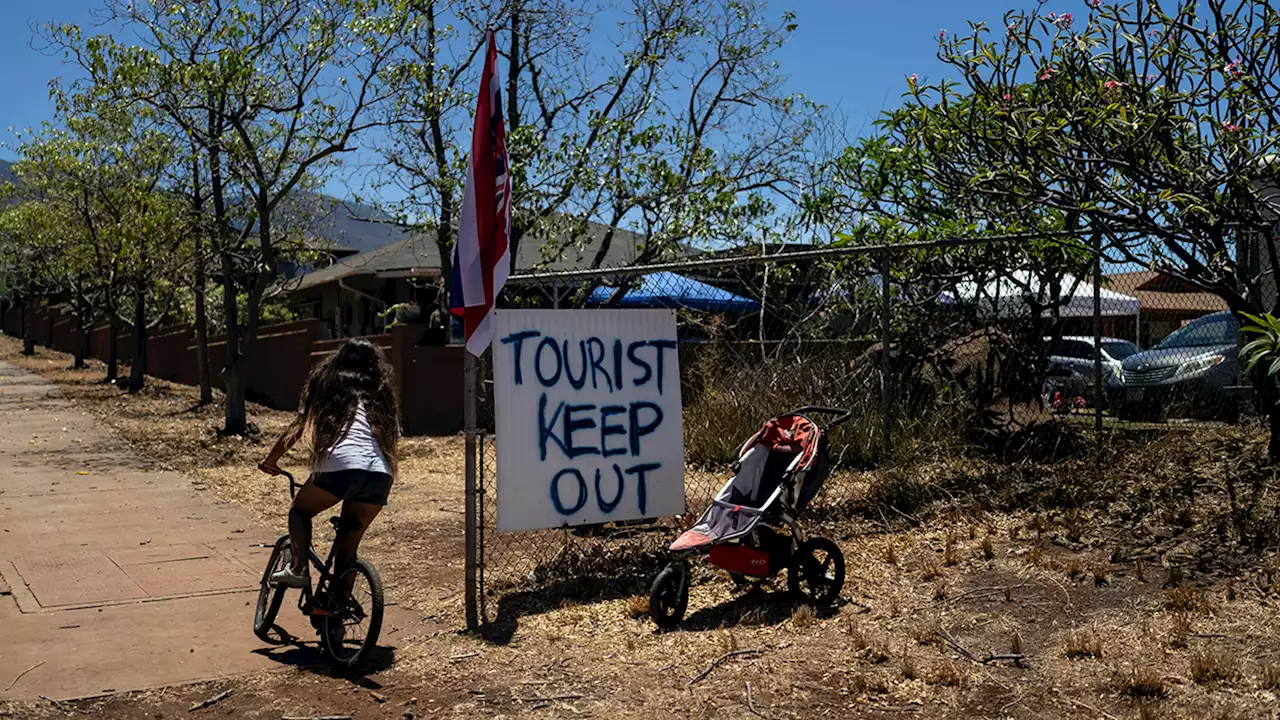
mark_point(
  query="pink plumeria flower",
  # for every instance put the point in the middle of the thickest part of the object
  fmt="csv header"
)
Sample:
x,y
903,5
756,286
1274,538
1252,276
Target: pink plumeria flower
x,y
1094,3
1008,97
1235,69
1113,84
1064,20
1230,127
1047,73
942,34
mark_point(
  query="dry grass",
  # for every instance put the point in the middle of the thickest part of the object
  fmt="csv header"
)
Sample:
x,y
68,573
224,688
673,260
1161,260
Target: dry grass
x,y
1142,683
909,668
865,683
929,568
946,674
950,556
1186,598
926,632
601,646
1179,631
1101,575
891,554
1269,676
638,607
988,549
1213,666
1085,643
803,617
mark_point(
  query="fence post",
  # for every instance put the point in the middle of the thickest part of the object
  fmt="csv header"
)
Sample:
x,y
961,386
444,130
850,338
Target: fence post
x,y
470,378
886,432
1097,335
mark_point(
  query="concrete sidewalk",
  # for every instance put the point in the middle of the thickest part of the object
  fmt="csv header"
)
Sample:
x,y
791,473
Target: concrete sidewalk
x,y
115,577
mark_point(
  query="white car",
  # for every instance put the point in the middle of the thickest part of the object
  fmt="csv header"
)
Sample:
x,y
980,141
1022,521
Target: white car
x,y
1071,369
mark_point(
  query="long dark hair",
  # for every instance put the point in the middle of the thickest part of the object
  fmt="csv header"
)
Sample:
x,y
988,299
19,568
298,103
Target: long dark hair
x,y
356,373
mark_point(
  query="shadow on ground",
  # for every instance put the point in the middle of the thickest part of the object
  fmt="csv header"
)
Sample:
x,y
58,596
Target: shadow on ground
x,y
309,656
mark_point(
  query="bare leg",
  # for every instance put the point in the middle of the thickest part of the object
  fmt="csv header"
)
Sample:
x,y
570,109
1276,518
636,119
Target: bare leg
x,y
309,502
356,517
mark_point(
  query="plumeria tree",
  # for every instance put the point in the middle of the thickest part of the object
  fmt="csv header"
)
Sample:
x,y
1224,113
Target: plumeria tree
x,y
1149,128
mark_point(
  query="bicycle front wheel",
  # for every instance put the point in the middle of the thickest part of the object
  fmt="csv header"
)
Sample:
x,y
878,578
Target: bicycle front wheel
x,y
270,596
351,632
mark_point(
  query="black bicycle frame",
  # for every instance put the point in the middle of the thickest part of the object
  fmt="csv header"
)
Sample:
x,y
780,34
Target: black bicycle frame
x,y
323,567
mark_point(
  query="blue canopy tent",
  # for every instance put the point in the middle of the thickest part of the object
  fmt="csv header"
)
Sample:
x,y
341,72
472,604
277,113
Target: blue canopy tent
x,y
669,290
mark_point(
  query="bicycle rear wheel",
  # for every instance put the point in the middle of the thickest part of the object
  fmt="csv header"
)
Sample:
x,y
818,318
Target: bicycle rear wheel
x,y
270,596
351,633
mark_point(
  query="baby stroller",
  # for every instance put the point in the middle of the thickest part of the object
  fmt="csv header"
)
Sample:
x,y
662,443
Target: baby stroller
x,y
778,472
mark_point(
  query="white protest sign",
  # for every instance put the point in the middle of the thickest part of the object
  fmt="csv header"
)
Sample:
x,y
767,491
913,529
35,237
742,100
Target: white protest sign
x,y
589,425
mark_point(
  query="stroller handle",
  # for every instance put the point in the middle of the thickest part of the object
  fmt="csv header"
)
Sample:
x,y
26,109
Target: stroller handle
x,y
842,415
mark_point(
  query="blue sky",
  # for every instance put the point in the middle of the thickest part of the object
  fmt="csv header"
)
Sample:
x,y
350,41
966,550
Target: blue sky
x,y
849,54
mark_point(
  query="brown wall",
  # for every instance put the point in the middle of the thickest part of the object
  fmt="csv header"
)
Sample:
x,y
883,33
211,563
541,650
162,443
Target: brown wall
x,y
429,377
430,382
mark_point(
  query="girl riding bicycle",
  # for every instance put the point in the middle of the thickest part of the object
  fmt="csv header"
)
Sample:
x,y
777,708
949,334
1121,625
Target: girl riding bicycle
x,y
349,417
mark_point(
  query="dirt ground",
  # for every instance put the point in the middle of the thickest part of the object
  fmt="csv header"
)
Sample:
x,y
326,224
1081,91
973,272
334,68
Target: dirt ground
x,y
971,592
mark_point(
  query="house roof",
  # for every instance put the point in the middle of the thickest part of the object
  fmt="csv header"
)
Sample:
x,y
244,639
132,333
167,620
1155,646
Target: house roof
x,y
1161,292
418,255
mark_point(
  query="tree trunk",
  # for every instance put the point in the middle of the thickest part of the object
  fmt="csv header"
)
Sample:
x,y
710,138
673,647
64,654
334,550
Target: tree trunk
x,y
202,329
138,370
113,349
235,420
28,334
81,343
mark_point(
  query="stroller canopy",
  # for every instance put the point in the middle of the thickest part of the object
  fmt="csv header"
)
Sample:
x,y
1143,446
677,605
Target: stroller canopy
x,y
782,467
791,434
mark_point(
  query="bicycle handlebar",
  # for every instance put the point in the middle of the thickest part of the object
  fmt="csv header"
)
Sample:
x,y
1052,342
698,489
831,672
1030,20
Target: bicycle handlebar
x,y
293,484
841,415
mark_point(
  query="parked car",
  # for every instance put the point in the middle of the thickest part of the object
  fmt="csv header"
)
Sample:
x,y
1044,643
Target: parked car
x,y
1188,374
1071,372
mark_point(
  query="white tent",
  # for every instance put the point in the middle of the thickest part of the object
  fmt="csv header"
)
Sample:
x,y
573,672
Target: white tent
x,y
1007,297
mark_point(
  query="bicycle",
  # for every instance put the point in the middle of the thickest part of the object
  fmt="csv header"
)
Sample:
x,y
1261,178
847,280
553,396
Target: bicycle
x,y
337,617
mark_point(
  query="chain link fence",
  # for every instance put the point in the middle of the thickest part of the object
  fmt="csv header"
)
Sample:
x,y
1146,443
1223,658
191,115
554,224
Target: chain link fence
x,y
935,347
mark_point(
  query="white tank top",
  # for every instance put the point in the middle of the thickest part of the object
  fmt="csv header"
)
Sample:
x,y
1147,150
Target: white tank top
x,y
356,449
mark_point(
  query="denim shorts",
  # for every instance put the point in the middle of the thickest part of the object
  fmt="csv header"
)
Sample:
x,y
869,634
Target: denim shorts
x,y
355,485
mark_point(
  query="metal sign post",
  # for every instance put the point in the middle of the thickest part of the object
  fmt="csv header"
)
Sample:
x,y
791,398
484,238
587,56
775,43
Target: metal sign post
x,y
470,379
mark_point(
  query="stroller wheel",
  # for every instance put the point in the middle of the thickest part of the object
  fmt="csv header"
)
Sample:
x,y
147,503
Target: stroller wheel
x,y
670,595
816,573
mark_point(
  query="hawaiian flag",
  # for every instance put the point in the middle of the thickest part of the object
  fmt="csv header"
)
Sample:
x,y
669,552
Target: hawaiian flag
x,y
481,258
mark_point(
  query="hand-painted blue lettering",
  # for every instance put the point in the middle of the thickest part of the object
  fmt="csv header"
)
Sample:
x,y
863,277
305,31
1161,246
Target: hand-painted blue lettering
x,y
571,426
596,350
606,430
639,362
639,471
517,340
640,428
662,345
581,380
547,381
555,492
617,365
608,506
547,427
